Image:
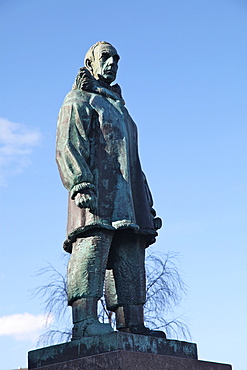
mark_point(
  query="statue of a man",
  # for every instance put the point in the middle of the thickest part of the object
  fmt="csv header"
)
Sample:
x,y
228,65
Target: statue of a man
x,y
110,220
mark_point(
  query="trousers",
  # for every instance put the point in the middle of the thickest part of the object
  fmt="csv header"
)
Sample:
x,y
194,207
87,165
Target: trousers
x,y
114,257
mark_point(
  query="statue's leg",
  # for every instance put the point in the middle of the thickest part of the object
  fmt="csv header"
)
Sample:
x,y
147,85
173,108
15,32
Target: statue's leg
x,y
125,283
86,270
127,263
126,269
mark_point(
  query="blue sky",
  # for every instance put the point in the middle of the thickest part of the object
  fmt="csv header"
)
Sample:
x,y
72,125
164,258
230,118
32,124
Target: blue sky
x,y
183,77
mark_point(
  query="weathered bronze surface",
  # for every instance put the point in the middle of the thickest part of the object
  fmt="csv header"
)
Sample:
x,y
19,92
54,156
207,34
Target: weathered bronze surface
x,y
111,219
125,360
129,343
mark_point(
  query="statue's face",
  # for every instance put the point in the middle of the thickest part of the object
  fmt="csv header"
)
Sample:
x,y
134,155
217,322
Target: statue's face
x,y
105,64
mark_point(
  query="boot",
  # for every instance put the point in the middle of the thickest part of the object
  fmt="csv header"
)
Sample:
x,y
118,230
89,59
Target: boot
x,y
85,320
120,320
130,319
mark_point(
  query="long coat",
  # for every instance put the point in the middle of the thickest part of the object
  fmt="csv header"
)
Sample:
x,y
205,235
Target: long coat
x,y
97,149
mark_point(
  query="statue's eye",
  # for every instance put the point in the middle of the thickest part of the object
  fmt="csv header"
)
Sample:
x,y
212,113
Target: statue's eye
x,y
104,56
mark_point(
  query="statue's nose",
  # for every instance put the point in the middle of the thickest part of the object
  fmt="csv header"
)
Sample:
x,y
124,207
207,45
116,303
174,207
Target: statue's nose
x,y
111,61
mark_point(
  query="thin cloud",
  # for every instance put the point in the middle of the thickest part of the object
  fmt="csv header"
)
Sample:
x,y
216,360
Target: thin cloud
x,y
16,145
23,326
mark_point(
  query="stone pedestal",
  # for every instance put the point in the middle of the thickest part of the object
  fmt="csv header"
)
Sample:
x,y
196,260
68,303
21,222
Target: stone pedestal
x,y
120,351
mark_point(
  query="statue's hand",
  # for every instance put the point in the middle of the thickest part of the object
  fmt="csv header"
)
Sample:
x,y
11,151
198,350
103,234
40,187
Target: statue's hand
x,y
157,223
157,220
87,199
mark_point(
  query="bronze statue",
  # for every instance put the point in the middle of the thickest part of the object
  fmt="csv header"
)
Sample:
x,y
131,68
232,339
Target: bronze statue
x,y
110,219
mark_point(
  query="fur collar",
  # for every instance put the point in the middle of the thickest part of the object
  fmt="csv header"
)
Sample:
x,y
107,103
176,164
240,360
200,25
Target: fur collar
x,y
85,81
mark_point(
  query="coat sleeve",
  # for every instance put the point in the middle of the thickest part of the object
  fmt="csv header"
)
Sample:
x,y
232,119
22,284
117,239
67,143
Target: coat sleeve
x,y
73,146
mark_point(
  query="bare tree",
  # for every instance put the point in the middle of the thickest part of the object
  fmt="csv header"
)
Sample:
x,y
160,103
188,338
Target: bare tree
x,y
54,300
165,290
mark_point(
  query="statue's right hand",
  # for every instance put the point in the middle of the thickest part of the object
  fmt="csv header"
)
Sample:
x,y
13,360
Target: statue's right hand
x,y
86,200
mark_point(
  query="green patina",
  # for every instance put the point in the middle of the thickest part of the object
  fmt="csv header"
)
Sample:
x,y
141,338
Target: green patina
x,y
110,342
111,219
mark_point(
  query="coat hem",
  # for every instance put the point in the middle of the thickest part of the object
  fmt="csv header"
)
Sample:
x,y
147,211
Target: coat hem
x,y
118,225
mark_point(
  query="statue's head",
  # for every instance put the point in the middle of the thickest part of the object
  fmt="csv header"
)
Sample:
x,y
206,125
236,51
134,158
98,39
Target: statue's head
x,y
102,61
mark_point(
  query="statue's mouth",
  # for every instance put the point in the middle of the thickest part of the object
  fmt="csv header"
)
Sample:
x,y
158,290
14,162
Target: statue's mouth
x,y
110,71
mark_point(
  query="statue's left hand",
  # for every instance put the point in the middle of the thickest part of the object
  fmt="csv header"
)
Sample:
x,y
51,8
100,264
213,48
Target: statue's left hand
x,y
157,220
86,199
157,223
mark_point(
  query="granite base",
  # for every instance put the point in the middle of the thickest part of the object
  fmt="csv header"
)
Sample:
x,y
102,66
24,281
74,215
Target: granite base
x,y
127,360
115,341
120,351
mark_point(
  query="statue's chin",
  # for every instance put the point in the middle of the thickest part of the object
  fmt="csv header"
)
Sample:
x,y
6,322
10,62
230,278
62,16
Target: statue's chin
x,y
108,79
